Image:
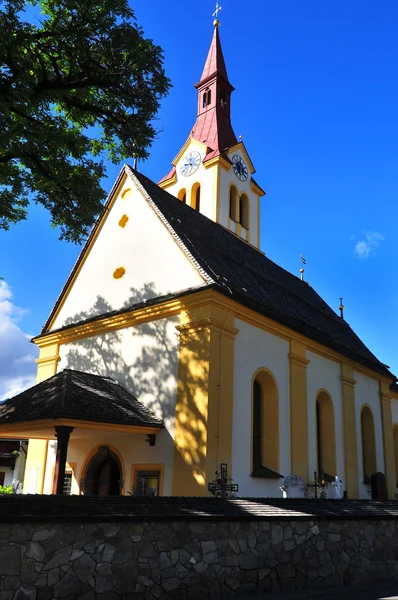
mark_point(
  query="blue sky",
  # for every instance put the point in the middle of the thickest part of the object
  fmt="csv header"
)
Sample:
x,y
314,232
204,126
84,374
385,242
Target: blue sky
x,y
316,103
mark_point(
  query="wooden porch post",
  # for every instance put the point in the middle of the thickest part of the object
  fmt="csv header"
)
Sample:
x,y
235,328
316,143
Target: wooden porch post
x,y
62,433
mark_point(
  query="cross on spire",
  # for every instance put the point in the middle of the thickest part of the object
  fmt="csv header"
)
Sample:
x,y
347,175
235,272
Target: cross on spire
x,y
215,14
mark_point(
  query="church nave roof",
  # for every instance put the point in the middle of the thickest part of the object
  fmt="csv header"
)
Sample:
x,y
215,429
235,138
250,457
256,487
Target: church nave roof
x,y
241,271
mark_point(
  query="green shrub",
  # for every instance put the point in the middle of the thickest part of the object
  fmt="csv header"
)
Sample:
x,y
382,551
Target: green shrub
x,y
6,489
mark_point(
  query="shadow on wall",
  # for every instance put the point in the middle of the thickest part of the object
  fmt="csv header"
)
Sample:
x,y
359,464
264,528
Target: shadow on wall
x,y
145,360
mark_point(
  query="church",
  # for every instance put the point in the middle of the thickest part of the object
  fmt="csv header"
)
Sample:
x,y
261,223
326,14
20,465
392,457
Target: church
x,y
176,346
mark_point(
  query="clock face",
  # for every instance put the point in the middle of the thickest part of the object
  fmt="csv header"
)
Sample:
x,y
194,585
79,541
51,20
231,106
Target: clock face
x,y
190,163
240,167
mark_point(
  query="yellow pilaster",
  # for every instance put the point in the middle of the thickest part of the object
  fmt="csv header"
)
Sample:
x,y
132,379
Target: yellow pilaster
x,y
388,440
47,362
35,468
36,459
203,433
217,186
298,409
349,431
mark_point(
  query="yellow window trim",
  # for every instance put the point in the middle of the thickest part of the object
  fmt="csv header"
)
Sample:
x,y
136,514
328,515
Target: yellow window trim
x,y
259,377
148,467
327,435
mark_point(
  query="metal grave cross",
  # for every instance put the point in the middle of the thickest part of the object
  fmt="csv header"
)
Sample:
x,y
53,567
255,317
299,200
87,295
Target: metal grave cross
x,y
222,487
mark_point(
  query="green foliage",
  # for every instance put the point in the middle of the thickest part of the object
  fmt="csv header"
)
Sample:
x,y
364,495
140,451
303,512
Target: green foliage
x,y
6,489
79,85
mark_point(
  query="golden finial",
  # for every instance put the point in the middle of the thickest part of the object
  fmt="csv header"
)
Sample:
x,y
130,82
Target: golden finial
x,y
216,22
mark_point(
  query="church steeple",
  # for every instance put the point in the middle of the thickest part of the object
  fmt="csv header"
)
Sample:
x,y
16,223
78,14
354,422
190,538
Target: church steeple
x,y
212,172
213,122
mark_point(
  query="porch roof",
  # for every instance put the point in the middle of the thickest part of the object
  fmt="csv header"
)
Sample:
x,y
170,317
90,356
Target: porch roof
x,y
77,397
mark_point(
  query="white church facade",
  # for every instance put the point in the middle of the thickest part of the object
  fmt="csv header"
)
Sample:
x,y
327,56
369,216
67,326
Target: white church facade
x,y
176,346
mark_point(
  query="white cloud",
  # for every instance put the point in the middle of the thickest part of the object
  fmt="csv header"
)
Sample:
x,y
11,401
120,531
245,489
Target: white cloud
x,y
364,247
17,354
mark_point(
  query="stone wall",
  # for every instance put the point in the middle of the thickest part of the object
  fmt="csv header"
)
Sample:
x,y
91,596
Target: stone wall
x,y
191,559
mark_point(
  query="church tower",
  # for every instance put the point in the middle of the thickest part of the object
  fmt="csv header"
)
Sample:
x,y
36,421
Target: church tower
x,y
213,172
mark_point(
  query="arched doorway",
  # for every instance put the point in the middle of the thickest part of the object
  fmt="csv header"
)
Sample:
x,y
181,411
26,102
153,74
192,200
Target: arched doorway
x,y
103,475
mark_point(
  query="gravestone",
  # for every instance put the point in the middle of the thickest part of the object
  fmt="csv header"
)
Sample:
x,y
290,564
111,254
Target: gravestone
x,y
338,487
378,485
293,487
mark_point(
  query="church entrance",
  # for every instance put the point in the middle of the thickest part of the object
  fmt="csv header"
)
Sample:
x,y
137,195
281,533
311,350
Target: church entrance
x,y
103,476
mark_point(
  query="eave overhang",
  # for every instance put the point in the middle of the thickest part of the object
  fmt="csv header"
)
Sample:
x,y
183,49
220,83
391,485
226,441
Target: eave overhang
x,y
44,428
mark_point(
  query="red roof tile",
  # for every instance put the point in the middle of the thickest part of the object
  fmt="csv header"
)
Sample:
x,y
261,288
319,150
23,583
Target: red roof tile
x,y
215,59
214,129
169,175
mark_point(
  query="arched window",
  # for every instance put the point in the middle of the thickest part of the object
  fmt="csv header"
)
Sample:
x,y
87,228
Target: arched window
x,y
325,436
195,196
223,100
182,195
206,97
368,443
265,427
395,435
244,211
232,202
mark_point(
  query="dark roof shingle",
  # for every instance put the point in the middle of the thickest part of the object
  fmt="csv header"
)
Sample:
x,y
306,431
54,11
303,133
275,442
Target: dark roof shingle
x,y
79,396
252,279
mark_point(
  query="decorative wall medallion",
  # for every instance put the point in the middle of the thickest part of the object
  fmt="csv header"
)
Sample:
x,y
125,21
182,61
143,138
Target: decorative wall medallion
x,y
118,273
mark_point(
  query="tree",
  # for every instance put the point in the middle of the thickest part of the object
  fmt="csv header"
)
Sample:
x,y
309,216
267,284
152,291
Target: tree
x,y
78,84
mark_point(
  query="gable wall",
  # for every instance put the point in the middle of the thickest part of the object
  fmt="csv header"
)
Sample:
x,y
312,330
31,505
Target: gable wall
x,y
154,264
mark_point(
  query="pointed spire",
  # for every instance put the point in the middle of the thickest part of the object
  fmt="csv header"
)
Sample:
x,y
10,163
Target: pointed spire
x,y
213,122
215,63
